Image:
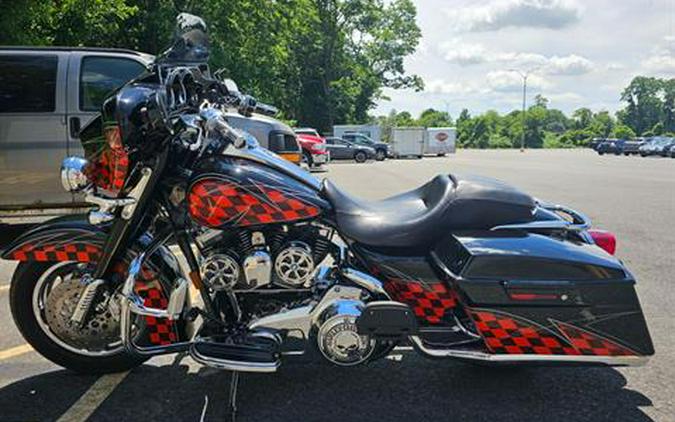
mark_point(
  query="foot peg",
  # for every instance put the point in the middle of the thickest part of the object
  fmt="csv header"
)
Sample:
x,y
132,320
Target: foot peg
x,y
252,352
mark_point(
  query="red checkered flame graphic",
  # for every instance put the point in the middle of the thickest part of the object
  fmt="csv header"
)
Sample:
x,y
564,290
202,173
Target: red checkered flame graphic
x,y
161,331
588,343
429,302
507,334
216,202
59,247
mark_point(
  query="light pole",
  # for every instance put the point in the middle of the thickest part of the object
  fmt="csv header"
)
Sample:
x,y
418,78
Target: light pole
x,y
524,75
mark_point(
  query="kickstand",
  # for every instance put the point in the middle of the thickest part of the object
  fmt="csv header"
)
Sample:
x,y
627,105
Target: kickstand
x,y
234,385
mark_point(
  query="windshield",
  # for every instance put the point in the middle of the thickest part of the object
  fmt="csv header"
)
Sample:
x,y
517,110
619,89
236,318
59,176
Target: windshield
x,y
190,41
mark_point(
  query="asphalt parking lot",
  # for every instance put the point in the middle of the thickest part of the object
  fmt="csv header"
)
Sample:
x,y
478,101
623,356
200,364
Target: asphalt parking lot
x,y
631,196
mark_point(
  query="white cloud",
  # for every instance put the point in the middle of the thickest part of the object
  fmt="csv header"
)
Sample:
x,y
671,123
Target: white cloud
x,y
498,14
660,64
569,65
613,66
507,81
662,57
442,86
468,54
565,97
464,54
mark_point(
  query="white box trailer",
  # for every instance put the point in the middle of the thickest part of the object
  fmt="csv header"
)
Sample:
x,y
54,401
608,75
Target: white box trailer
x,y
374,132
407,141
440,140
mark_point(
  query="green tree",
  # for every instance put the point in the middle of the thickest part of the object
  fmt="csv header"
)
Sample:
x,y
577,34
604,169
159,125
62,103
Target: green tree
x,y
582,118
644,105
623,132
434,118
602,124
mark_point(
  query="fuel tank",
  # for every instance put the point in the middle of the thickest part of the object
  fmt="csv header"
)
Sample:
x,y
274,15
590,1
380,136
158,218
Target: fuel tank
x,y
229,191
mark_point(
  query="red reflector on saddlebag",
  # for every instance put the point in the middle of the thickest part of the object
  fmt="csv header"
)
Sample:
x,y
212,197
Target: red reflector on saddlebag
x,y
606,240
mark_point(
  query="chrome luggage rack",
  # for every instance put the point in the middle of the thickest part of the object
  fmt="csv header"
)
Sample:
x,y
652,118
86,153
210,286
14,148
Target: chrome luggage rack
x,y
572,220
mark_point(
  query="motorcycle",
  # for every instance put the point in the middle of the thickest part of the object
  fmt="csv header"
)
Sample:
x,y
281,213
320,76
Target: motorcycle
x,y
462,267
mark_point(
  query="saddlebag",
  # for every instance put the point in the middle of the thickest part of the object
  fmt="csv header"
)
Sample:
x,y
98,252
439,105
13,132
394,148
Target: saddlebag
x,y
531,294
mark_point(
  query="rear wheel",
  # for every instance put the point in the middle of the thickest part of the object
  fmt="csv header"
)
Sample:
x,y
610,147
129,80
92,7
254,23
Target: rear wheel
x,y
42,299
360,157
380,155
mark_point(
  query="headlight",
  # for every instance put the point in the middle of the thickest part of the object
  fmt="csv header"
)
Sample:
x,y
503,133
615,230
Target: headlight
x,y
73,177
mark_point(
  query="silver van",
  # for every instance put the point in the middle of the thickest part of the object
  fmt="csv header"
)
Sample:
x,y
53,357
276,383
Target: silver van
x,y
46,96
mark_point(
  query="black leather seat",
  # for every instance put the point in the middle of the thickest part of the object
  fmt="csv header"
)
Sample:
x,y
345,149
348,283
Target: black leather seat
x,y
423,215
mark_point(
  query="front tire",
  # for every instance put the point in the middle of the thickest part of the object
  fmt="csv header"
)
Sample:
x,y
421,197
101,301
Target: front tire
x,y
360,157
380,155
22,294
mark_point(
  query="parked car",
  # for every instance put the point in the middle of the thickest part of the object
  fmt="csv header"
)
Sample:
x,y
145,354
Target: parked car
x,y
381,148
341,149
633,146
46,96
667,150
314,152
658,145
671,150
610,146
595,142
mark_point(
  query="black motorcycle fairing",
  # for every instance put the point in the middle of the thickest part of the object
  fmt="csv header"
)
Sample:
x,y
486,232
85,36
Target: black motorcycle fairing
x,y
137,109
424,215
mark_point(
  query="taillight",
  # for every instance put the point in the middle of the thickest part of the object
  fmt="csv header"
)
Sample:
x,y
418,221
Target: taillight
x,y
606,240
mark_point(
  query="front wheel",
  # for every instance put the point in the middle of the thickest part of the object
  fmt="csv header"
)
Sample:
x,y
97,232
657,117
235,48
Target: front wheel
x,y
42,299
380,155
360,157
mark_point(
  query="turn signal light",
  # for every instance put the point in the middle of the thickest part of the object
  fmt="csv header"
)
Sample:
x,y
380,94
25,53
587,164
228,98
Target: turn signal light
x,y
606,240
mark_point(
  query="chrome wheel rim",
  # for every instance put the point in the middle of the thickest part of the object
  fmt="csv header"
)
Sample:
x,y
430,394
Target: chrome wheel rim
x,y
47,284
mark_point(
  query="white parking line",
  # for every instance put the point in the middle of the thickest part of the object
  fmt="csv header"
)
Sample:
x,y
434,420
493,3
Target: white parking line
x,y
15,351
92,398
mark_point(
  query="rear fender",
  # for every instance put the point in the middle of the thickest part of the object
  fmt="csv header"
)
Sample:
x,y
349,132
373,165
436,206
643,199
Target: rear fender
x,y
74,239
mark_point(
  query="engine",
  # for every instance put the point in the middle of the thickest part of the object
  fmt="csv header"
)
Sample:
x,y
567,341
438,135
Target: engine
x,y
278,258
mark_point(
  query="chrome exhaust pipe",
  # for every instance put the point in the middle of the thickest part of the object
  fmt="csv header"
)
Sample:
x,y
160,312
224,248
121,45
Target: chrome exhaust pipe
x,y
475,355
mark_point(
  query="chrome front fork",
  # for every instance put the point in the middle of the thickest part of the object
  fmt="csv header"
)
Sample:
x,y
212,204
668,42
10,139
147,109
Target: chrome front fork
x,y
132,304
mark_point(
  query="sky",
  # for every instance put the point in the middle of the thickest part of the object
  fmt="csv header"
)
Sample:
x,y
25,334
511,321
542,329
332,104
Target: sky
x,y
578,53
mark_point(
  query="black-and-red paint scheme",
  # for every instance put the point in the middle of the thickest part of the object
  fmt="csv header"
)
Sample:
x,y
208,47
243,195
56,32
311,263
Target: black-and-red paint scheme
x,y
58,246
85,246
429,302
504,333
228,192
217,202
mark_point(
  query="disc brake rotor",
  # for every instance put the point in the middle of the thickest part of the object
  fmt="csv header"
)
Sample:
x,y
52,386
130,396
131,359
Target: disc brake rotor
x,y
101,329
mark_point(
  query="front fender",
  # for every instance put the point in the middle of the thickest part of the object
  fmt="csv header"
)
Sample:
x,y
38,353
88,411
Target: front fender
x,y
74,239
69,238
